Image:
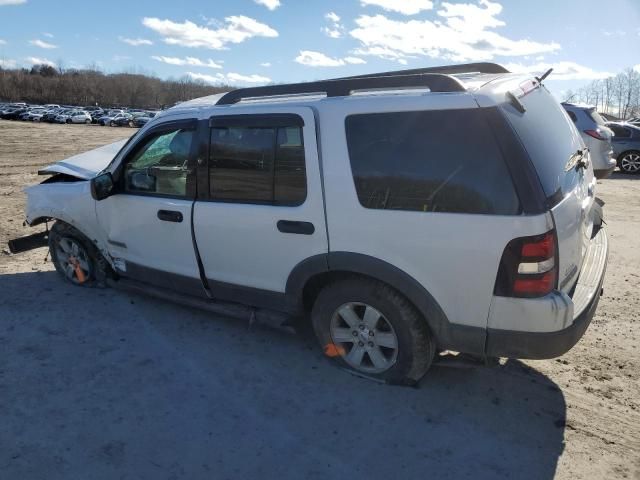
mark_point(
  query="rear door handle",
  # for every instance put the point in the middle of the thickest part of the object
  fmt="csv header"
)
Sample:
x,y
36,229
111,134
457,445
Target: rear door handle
x,y
300,228
170,216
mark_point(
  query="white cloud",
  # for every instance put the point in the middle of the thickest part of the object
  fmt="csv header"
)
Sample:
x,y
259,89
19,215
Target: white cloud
x,y
464,35
236,29
406,7
614,33
332,17
8,63
265,64
190,61
335,28
561,70
12,2
41,44
121,58
47,34
40,61
135,42
3,42
229,78
270,4
318,59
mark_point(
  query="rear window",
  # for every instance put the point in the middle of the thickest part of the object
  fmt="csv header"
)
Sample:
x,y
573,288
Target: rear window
x,y
550,138
596,117
429,161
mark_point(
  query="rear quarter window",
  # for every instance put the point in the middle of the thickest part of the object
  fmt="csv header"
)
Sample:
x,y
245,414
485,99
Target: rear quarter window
x,y
429,161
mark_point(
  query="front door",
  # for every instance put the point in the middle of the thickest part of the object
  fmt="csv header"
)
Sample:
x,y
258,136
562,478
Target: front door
x,y
147,223
263,212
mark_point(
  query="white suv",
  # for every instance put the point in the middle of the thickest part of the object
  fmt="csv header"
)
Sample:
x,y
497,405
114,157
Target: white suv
x,y
448,208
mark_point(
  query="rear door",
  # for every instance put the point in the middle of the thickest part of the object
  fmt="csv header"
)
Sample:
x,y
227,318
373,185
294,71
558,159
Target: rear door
x,y
553,143
262,212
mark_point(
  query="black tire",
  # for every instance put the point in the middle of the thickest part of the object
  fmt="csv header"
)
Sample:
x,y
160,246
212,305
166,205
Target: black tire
x,y
620,162
68,122
415,343
98,268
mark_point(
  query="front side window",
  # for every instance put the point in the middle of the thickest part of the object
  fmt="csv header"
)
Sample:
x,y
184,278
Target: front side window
x,y
429,161
160,166
264,165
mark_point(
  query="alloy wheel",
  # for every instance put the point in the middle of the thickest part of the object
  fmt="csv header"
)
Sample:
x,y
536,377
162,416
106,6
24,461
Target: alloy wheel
x,y
366,339
73,259
630,163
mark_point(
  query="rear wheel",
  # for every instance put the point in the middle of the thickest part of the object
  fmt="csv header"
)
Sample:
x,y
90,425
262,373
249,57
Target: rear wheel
x,y
370,328
629,162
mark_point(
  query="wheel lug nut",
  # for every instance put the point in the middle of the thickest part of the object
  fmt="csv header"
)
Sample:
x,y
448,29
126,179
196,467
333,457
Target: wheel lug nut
x,y
371,344
360,344
371,333
355,333
361,327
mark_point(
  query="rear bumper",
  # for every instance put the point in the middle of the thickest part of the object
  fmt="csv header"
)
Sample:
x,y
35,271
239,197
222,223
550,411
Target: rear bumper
x,y
604,172
581,305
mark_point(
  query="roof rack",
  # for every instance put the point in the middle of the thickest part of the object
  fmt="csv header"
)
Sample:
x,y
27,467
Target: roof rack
x,y
344,87
482,67
436,79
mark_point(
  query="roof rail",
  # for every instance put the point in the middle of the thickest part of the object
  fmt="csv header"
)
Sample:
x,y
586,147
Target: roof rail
x,y
343,87
482,67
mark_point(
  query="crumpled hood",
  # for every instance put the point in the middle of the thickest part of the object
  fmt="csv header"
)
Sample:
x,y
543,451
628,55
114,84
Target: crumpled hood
x,y
85,165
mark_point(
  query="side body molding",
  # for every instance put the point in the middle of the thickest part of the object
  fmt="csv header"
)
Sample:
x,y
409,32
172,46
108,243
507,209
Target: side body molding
x,y
448,336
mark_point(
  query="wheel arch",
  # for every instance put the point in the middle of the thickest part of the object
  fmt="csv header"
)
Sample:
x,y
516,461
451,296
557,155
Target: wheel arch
x,y
311,275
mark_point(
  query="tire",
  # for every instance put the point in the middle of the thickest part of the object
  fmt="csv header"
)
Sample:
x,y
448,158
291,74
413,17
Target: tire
x,y
629,162
112,124
385,323
87,122
68,122
75,257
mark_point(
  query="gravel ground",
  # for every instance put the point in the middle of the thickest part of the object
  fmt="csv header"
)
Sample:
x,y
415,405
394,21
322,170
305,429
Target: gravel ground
x,y
103,384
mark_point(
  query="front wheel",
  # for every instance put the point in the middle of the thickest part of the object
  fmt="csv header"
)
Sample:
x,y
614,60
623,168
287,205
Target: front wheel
x,y
75,257
629,162
370,328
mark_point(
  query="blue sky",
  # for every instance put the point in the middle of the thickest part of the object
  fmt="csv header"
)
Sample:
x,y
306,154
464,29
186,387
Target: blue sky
x,y
250,42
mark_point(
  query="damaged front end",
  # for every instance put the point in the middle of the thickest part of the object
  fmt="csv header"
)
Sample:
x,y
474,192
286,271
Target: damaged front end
x,y
65,195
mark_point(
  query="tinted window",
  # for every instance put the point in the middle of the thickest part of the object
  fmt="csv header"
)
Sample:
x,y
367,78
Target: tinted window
x,y
550,139
572,116
619,131
431,161
257,165
160,165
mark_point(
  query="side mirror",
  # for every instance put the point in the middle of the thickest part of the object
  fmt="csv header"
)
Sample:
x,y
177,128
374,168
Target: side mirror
x,y
102,186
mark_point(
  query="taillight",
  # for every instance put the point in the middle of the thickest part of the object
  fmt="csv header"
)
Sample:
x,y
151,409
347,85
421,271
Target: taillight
x,y
595,134
528,267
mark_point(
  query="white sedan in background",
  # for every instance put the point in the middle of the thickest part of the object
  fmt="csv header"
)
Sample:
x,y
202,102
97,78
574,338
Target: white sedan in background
x,y
76,116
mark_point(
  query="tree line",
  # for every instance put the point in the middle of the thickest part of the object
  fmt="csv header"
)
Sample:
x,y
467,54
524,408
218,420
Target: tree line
x,y
618,95
43,84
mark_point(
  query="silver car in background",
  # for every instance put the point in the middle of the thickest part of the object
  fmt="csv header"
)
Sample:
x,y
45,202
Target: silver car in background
x,y
596,136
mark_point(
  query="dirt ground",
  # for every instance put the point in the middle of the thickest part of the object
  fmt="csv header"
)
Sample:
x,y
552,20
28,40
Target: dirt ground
x,y
105,384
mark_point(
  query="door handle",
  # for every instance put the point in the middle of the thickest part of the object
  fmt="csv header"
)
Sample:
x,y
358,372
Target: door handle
x,y
170,216
291,226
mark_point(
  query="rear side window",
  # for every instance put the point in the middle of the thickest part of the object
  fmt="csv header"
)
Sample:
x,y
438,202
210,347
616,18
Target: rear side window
x,y
429,161
264,165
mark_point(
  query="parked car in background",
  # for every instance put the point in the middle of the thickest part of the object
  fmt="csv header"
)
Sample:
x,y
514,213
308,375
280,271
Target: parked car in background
x,y
626,146
50,116
13,113
117,120
596,136
74,116
33,113
140,119
402,240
